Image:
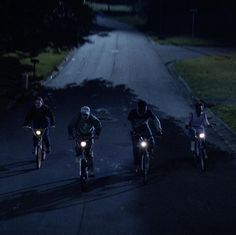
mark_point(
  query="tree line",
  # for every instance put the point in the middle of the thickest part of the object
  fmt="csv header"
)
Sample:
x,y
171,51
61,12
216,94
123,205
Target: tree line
x,y
213,18
31,25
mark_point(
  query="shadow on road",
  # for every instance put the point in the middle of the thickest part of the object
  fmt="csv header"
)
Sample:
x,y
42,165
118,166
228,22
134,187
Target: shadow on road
x,y
14,169
62,194
175,188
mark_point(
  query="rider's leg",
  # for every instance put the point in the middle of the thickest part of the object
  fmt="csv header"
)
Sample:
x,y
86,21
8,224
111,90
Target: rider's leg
x,y
204,149
192,145
151,146
35,141
89,157
136,155
46,140
192,134
78,150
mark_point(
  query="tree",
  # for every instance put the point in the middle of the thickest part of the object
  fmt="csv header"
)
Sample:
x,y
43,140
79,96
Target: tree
x,y
31,24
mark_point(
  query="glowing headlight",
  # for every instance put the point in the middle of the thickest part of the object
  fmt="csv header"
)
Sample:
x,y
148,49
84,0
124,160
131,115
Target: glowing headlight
x,y
83,144
202,135
38,132
143,144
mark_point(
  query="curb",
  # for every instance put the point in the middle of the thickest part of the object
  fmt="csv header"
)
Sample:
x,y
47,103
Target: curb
x,y
227,135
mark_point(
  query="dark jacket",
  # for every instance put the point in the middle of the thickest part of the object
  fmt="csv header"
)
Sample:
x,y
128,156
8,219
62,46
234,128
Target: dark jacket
x,y
84,127
40,118
140,124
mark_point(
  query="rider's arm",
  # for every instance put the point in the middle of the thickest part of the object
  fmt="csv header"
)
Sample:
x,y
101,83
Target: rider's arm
x,y
156,121
51,117
157,124
28,118
190,119
206,122
72,125
97,125
131,118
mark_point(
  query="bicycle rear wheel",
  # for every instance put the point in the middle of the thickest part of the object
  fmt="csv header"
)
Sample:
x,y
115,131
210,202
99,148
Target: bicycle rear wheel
x,y
39,153
202,160
83,174
44,153
145,167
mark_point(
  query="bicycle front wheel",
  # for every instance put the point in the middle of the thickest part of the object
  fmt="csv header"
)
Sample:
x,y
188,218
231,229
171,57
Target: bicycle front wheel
x,y
83,174
145,167
39,155
202,160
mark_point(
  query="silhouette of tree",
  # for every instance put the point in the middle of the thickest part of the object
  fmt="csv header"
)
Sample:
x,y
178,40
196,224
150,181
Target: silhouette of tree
x,y
31,24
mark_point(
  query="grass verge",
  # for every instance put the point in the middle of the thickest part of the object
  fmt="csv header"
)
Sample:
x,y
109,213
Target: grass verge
x,y
13,64
213,79
186,41
226,113
133,20
110,7
47,62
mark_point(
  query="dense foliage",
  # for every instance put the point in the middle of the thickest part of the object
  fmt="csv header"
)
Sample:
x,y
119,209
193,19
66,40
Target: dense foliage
x,y
32,24
212,17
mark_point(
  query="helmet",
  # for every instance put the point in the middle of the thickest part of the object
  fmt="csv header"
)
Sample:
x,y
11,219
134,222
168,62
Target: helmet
x,y
85,112
141,107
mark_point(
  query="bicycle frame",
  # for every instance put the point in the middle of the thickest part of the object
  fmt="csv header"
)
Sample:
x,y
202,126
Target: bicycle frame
x,y
144,155
83,163
200,148
40,153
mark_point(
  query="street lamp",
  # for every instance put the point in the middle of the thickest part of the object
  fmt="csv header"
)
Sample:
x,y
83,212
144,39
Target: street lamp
x,y
193,11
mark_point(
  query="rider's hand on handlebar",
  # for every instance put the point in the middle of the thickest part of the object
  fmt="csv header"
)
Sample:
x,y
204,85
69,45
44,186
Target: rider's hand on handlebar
x,y
159,134
187,126
212,124
27,127
96,137
53,126
71,137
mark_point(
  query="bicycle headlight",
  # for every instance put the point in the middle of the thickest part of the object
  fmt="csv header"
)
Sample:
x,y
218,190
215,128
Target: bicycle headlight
x,y
38,132
83,144
201,135
143,144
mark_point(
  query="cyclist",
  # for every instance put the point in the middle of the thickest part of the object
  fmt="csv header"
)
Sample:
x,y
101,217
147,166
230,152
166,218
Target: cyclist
x,y
85,126
197,122
139,119
41,117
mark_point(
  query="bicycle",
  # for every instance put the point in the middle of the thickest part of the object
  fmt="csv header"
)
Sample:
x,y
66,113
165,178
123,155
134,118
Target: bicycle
x,y
83,161
39,151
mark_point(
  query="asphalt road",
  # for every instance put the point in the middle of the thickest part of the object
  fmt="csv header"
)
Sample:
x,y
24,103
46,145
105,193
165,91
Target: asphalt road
x,y
109,73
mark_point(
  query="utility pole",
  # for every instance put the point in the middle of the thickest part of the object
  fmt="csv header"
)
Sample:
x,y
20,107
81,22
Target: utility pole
x,y
193,11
